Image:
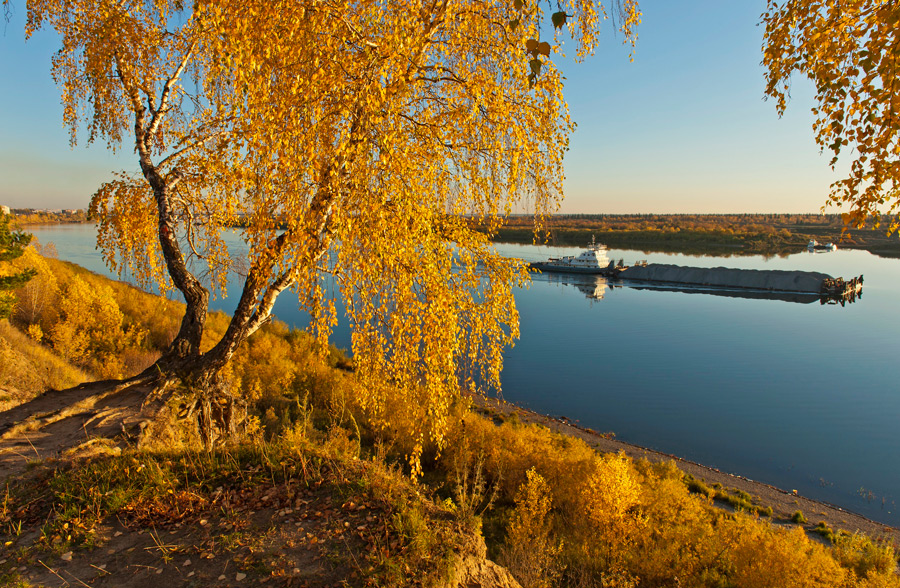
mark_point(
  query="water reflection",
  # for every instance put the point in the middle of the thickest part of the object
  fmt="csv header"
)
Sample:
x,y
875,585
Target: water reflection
x,y
595,287
797,297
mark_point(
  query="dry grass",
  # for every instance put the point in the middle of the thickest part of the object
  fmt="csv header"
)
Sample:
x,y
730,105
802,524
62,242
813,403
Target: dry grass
x,y
32,368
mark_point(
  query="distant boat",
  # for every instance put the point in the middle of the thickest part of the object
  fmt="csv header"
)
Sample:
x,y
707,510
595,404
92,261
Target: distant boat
x,y
816,246
593,260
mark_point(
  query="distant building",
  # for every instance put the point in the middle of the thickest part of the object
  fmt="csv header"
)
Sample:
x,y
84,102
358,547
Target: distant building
x,y
4,209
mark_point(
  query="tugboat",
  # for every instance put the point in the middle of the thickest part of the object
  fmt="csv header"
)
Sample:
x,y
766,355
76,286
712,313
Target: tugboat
x,y
593,260
816,246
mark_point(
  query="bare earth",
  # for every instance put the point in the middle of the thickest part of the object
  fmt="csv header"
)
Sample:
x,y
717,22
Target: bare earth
x,y
783,503
56,422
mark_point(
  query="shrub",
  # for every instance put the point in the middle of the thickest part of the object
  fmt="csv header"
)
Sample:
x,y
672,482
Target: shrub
x,y
530,552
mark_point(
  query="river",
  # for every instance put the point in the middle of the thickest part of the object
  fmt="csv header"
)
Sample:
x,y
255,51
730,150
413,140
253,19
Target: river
x,y
802,396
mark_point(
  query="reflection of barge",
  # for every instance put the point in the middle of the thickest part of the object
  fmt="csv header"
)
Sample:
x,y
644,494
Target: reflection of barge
x,y
592,286
816,246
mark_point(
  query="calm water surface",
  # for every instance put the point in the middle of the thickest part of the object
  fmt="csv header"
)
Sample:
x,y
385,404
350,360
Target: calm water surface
x,y
801,396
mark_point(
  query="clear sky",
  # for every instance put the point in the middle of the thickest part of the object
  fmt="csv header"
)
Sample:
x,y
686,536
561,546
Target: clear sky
x,y
684,128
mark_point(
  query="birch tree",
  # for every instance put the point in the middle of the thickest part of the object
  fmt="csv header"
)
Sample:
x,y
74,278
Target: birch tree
x,y
358,140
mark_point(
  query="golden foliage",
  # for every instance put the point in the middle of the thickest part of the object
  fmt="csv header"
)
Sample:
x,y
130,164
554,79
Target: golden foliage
x,y
783,559
873,563
611,507
530,552
341,137
40,292
848,50
89,330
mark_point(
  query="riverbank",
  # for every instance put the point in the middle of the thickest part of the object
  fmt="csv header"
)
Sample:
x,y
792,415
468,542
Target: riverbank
x,y
703,234
783,503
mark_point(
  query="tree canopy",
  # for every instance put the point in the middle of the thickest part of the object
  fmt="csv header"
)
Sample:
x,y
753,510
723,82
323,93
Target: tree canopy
x,y
361,140
850,51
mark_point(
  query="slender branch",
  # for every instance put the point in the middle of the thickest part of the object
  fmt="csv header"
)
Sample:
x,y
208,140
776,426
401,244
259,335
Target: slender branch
x,y
166,94
190,146
264,310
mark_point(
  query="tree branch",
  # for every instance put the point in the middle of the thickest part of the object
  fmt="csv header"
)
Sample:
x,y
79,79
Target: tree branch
x,y
166,94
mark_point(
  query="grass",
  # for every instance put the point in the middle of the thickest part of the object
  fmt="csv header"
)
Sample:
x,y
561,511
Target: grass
x,y
825,531
166,489
31,367
737,499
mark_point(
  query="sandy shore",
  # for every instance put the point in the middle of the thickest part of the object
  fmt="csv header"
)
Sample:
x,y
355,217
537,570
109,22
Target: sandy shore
x,y
783,503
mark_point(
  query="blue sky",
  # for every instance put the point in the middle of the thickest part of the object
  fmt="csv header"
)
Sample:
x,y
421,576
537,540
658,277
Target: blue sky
x,y
682,129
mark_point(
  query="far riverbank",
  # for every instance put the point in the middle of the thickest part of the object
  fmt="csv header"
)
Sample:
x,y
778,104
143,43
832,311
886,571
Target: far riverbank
x,y
704,234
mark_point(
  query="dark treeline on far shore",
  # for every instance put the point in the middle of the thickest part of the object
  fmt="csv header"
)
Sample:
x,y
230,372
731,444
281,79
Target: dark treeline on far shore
x,y
708,234
39,216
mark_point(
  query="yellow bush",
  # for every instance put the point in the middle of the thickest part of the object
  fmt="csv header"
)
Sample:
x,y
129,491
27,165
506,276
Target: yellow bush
x,y
511,450
610,505
872,562
682,535
779,558
89,330
39,294
530,552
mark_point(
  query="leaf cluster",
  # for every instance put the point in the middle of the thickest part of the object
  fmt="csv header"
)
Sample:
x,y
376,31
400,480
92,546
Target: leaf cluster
x,y
849,51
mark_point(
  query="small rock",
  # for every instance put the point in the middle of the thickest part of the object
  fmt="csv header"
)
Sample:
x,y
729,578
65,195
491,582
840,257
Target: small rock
x,y
222,577
187,562
190,574
203,522
159,570
67,556
240,576
296,570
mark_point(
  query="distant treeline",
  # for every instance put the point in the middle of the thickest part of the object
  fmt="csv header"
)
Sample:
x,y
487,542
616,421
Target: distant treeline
x,y
33,216
710,234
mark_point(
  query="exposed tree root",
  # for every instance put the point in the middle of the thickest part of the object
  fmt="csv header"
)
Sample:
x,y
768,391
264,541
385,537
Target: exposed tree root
x,y
146,411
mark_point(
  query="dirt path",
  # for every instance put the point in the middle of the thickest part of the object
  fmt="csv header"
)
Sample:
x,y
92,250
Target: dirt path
x,y
59,422
783,503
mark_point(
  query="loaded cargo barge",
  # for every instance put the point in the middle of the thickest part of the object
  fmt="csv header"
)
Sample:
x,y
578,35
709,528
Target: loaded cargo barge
x,y
594,260
744,279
